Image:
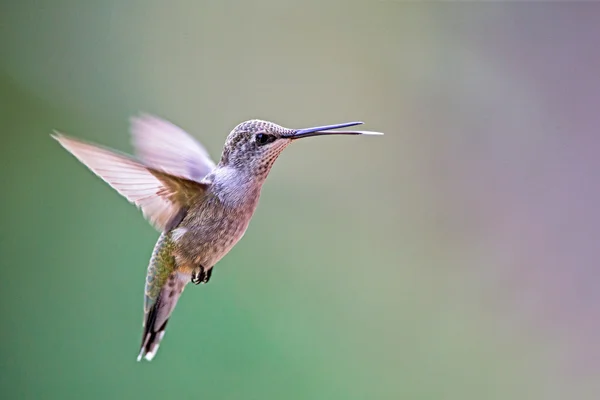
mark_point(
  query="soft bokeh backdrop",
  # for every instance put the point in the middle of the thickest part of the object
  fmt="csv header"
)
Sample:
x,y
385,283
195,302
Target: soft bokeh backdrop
x,y
454,258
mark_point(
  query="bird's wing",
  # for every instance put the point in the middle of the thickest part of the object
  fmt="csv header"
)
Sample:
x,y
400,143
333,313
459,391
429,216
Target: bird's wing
x,y
165,146
164,286
163,198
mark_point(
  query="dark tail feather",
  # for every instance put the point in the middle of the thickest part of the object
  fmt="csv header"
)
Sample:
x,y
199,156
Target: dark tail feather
x,y
159,314
151,341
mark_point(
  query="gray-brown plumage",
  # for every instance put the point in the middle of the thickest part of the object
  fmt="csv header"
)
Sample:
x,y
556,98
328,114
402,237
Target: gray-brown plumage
x,y
201,209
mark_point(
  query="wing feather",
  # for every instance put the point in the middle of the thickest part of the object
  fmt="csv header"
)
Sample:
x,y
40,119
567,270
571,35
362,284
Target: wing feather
x,y
166,147
158,194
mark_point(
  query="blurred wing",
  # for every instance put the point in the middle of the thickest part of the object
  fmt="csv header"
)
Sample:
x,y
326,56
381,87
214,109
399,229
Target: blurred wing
x,y
160,196
165,146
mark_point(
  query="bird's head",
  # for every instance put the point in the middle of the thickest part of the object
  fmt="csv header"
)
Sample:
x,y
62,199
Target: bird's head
x,y
254,145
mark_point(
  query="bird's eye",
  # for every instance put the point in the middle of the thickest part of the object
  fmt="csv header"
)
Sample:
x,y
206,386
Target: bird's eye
x,y
263,138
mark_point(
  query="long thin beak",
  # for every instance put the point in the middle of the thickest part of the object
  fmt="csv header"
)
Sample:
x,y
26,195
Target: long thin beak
x,y
327,130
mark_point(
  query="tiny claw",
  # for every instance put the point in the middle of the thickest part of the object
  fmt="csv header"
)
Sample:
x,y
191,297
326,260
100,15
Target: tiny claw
x,y
198,275
207,276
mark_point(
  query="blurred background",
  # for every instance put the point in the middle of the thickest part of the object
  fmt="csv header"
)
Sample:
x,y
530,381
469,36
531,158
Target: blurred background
x,y
456,257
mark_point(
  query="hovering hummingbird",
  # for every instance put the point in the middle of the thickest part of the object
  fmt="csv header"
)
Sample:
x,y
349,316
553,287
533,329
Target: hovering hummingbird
x,y
201,209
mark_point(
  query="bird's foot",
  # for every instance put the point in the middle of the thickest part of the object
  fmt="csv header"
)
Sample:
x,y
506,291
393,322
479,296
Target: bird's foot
x,y
200,275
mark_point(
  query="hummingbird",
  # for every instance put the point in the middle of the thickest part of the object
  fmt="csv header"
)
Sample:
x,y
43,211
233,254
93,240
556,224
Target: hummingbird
x,y
200,208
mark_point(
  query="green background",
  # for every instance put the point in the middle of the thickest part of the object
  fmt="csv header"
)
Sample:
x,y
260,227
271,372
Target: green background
x,y
453,258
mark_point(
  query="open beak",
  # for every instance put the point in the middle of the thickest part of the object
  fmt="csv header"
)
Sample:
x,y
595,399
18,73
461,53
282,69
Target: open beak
x,y
327,130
